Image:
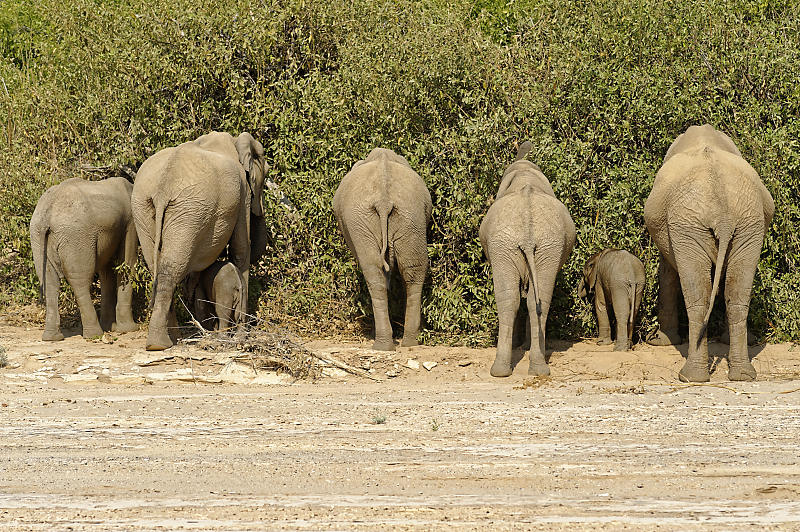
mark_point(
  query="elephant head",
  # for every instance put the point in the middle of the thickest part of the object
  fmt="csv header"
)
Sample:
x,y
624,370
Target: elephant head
x,y
251,156
589,277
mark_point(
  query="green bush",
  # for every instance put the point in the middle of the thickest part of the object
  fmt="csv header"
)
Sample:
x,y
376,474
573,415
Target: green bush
x,y
600,88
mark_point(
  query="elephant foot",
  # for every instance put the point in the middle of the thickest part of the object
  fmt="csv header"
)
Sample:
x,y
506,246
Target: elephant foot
x,y
664,338
92,332
409,341
52,336
158,341
539,370
622,346
500,369
124,327
742,372
693,373
383,345
604,341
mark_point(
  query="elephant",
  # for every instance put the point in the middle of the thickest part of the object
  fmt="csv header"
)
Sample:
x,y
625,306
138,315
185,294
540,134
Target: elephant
x,y
527,235
189,202
80,228
383,209
708,208
217,293
616,277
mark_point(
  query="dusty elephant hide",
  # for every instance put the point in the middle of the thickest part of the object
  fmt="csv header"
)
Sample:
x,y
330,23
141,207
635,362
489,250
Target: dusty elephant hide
x,y
708,208
383,208
527,235
80,228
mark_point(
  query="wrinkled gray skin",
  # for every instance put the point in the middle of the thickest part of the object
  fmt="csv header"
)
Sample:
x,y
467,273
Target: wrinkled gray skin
x,y
708,207
190,202
80,228
383,209
617,279
527,235
217,295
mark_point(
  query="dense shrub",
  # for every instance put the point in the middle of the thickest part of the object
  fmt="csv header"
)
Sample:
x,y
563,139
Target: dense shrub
x,y
600,88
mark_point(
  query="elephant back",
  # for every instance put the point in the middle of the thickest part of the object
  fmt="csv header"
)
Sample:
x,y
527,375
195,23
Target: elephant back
x,y
523,173
697,138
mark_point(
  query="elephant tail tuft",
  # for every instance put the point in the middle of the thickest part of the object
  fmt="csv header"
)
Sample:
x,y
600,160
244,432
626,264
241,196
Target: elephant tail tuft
x,y
724,235
528,251
384,208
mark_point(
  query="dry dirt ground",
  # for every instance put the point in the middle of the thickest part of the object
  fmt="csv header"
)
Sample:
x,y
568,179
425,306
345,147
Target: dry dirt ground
x,y
104,436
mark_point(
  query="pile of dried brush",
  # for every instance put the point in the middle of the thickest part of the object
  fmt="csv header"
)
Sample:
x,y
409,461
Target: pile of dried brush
x,y
262,345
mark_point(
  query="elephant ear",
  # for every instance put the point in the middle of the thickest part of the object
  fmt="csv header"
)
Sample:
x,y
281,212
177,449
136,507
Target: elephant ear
x,y
248,147
590,271
251,157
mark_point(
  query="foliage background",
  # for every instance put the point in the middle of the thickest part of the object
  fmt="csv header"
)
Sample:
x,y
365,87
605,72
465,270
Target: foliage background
x,y
600,87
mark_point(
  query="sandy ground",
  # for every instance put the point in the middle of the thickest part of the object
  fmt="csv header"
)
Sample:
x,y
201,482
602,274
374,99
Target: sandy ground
x,y
104,436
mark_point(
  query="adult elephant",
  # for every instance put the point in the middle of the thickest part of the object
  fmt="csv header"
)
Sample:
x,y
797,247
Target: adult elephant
x,y
527,235
383,208
708,207
189,202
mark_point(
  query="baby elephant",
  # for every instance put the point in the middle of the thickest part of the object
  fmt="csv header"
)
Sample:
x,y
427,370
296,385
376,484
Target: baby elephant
x,y
217,295
616,277
80,228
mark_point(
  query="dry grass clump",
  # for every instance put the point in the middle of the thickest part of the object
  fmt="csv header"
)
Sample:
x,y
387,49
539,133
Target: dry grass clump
x,y
264,346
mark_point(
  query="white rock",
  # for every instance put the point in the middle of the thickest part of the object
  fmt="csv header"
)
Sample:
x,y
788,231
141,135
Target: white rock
x,y
411,363
429,365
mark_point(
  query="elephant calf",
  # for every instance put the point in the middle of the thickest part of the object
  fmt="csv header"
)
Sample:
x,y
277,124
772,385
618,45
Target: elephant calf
x,y
80,228
616,277
383,208
527,235
217,294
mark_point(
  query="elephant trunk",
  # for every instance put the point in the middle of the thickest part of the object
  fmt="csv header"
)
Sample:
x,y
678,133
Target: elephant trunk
x,y
724,234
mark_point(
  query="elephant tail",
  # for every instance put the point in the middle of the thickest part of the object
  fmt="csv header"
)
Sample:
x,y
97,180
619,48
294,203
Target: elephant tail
x,y
523,150
725,233
44,233
384,208
156,246
238,306
528,250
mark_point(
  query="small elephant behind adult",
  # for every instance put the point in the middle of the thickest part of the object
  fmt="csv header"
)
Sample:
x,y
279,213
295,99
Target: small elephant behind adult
x,y
217,294
383,208
190,203
80,228
527,235
616,277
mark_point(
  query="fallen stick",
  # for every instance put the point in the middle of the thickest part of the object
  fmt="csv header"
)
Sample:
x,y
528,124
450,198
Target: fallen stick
x,y
346,367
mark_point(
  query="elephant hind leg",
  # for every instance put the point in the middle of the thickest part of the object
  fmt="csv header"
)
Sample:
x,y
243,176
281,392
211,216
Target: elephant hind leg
x,y
123,313
80,279
537,364
377,281
668,289
52,323
620,300
694,268
741,268
158,337
413,278
108,296
506,294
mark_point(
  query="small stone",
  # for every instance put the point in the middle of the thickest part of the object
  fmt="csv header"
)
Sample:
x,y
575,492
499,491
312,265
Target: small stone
x,y
429,365
413,364
107,339
464,363
391,373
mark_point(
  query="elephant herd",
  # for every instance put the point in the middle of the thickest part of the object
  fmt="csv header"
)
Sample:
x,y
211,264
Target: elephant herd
x,y
201,201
